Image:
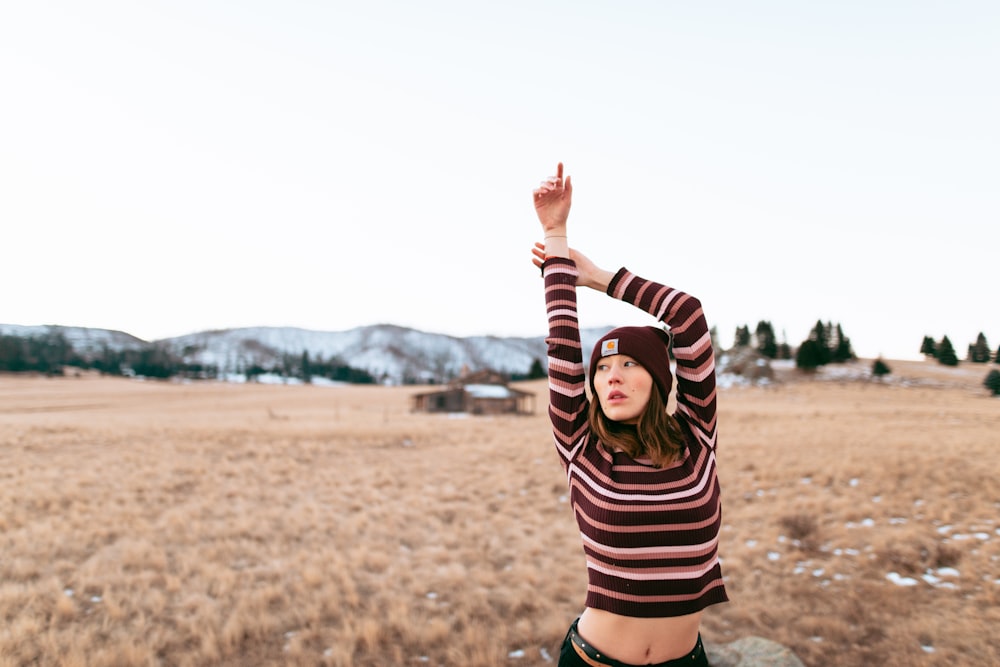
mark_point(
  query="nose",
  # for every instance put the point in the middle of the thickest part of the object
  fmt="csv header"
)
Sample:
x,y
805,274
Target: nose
x,y
614,374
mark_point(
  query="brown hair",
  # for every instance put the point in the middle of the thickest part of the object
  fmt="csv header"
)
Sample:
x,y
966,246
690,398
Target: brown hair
x,y
657,434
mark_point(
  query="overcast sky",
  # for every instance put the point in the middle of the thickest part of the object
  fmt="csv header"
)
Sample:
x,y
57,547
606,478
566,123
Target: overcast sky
x,y
170,167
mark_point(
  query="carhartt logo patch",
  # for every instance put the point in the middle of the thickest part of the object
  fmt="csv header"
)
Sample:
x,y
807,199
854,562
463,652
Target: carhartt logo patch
x,y
609,347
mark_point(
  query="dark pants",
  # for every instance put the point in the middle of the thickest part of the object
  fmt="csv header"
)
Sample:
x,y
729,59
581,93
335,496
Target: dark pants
x,y
574,645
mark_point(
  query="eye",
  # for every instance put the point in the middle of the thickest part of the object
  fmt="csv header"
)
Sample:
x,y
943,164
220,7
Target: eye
x,y
602,367
630,363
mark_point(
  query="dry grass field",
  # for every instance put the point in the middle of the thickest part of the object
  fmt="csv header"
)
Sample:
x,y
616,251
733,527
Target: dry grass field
x,y
147,523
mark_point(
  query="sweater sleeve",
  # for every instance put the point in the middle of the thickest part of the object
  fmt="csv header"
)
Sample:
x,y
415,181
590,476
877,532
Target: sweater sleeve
x,y
692,347
567,396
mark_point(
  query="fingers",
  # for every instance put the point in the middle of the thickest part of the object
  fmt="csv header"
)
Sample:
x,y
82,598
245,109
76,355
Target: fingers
x,y
539,255
554,183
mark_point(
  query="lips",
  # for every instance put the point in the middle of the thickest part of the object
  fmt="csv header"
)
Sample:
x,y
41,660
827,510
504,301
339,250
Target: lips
x,y
616,395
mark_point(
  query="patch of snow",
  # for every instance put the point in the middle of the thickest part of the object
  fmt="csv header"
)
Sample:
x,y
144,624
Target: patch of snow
x,y
773,556
899,580
959,537
516,655
488,391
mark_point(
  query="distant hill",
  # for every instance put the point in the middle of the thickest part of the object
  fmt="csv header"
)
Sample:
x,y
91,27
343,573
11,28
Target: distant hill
x,y
388,352
84,340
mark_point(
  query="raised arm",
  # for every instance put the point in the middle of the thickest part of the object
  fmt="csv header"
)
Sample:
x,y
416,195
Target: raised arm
x,y
692,346
567,377
567,397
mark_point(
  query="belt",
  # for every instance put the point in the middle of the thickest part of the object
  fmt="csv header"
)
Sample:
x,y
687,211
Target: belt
x,y
595,658
588,654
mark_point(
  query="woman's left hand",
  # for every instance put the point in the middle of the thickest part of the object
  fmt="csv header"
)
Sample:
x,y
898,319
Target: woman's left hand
x,y
590,275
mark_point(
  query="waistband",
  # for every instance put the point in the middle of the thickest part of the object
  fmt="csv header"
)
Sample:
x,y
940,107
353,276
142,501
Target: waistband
x,y
593,657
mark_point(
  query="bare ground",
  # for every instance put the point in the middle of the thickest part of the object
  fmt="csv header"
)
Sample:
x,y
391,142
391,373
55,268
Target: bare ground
x,y
146,523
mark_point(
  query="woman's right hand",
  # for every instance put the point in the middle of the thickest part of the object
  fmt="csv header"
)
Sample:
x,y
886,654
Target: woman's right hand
x,y
552,201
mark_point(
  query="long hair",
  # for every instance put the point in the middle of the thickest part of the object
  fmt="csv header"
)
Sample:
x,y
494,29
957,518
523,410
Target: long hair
x,y
657,434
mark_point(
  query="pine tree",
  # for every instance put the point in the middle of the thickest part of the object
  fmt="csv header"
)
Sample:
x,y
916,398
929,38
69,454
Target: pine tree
x,y
536,371
767,343
307,372
946,353
979,352
742,337
928,347
996,357
880,368
842,351
784,349
992,382
810,355
820,334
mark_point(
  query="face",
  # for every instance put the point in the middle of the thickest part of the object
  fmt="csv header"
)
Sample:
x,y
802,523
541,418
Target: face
x,y
623,387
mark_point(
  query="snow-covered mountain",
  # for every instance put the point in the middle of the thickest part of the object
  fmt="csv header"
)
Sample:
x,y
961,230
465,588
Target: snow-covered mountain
x,y
388,352
84,340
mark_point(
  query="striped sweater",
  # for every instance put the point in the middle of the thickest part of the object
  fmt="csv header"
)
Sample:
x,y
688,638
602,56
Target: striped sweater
x,y
650,534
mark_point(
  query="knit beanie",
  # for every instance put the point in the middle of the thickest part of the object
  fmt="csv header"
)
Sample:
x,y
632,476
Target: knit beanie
x,y
647,345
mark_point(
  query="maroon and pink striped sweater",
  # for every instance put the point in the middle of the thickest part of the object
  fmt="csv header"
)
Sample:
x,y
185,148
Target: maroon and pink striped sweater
x,y
650,534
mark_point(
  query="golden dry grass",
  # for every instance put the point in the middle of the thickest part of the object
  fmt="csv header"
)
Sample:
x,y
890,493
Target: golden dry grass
x,y
148,523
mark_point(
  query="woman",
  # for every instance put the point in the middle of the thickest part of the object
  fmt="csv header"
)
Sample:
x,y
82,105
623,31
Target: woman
x,y
643,483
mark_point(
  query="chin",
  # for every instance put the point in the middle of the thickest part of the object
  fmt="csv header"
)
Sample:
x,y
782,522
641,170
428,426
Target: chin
x,y
621,416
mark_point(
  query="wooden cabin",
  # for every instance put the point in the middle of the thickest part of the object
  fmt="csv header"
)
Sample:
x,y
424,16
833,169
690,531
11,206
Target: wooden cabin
x,y
480,393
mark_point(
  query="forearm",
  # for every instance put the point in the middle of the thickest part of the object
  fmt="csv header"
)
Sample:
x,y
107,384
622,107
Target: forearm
x,y
598,280
567,396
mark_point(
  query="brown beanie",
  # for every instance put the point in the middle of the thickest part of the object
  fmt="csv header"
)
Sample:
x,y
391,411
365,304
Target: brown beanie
x,y
647,345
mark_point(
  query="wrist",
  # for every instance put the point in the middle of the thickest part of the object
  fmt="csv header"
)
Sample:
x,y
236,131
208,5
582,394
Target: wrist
x,y
556,245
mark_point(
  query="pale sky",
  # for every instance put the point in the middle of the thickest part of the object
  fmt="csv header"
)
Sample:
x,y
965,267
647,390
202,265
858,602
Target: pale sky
x,y
170,167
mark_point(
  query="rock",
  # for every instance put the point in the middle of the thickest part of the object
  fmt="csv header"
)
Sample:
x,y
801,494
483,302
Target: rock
x,y
752,652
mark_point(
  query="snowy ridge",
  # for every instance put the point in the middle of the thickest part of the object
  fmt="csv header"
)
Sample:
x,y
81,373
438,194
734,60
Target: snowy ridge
x,y
388,352
84,340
